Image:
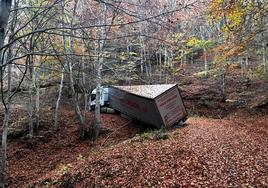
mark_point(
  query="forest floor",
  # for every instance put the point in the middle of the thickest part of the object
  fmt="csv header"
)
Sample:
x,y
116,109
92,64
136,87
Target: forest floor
x,y
223,144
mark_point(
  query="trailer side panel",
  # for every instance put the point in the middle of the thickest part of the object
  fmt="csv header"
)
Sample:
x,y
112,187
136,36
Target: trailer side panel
x,y
134,106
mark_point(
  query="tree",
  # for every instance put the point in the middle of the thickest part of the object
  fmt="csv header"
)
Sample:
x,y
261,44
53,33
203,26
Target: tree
x,y
241,22
204,45
5,6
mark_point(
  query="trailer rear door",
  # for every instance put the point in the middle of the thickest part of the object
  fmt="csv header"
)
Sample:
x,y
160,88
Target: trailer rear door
x,y
170,106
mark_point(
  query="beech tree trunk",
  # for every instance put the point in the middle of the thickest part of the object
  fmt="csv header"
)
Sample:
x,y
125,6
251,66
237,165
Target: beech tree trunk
x,y
56,126
75,102
74,99
37,98
5,6
97,124
5,128
4,147
30,88
30,100
85,93
141,55
205,62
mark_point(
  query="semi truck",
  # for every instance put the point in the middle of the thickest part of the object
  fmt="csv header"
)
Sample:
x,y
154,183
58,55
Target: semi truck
x,y
157,105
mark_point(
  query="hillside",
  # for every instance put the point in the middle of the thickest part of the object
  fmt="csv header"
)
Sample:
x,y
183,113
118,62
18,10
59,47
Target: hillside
x,y
222,145
206,152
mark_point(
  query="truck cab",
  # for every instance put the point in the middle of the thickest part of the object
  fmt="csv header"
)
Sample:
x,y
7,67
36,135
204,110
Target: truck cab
x,y
104,91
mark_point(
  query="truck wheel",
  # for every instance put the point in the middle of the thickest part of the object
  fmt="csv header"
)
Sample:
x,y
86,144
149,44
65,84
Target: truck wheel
x,y
181,123
184,119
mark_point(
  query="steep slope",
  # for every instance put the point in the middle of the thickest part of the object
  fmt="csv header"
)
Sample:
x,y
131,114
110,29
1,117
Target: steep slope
x,y
207,152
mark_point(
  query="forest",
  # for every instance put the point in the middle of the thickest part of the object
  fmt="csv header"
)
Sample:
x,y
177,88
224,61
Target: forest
x,y
54,54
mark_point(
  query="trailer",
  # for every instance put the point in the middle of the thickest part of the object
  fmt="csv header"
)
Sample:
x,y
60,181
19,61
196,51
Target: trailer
x,y
157,105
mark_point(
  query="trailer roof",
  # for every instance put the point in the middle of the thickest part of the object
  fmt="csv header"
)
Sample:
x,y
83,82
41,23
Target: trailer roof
x,y
148,91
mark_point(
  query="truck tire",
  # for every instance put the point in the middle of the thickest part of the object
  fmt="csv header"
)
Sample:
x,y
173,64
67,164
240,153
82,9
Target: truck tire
x,y
181,123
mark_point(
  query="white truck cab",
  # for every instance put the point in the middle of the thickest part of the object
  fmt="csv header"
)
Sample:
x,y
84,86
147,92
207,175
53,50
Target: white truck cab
x,y
103,97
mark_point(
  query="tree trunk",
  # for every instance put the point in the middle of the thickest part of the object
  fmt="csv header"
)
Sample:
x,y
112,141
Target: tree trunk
x,y
242,64
75,102
37,98
171,59
5,6
56,126
30,95
223,85
165,62
160,65
97,124
206,63
70,72
30,87
6,122
4,147
264,60
141,55
89,101
85,93
5,127
247,62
